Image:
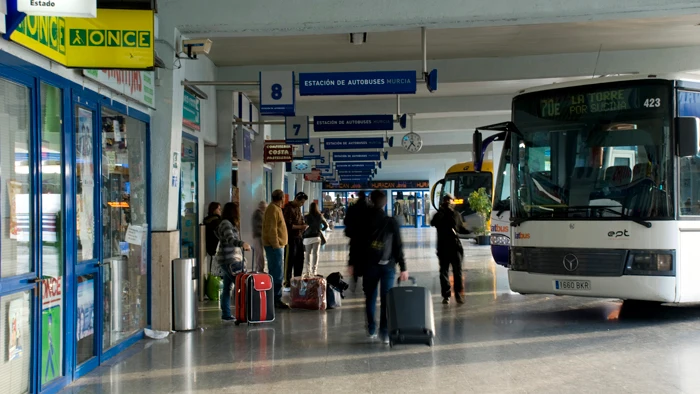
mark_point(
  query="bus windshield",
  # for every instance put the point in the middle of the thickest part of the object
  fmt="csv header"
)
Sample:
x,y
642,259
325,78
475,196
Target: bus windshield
x,y
594,151
461,185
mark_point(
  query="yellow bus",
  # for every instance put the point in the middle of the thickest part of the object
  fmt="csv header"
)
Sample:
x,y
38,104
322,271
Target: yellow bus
x,y
461,180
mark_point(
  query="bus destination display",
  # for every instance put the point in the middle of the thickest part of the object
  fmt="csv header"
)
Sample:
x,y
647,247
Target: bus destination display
x,y
586,103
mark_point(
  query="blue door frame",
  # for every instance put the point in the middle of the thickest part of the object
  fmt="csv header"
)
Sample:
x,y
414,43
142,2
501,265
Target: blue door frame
x,y
31,76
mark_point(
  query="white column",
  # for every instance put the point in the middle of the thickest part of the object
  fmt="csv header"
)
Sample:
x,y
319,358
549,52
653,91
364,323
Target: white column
x,y
278,176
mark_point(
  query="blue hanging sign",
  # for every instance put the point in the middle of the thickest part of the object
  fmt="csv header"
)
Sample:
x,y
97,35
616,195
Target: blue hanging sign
x,y
354,123
356,156
355,166
277,93
353,143
352,172
357,83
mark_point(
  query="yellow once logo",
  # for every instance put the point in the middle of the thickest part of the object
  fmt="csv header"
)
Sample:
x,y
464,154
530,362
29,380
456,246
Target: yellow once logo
x,y
116,39
46,31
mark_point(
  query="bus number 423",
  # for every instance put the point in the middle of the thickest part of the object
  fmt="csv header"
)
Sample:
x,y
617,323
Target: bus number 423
x,y
652,103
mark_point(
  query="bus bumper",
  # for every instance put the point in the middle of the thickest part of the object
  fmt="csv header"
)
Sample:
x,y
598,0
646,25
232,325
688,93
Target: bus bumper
x,y
626,287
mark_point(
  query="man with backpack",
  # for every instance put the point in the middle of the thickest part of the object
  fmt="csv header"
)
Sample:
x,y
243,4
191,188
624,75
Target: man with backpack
x,y
353,230
384,250
448,224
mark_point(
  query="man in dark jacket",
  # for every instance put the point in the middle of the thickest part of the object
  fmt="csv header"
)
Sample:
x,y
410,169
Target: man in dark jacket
x,y
295,230
448,224
384,251
354,220
211,223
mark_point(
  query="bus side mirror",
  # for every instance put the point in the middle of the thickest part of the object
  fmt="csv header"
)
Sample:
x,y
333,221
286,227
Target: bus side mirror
x,y
688,135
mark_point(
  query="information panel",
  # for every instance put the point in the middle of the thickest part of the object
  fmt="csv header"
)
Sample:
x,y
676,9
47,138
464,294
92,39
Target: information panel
x,y
356,156
355,166
353,143
354,123
357,83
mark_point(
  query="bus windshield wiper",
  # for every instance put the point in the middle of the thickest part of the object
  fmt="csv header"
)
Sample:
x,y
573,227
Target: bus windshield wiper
x,y
609,209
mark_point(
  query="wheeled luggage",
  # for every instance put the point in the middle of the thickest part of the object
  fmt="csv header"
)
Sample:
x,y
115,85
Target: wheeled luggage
x,y
308,293
410,315
254,298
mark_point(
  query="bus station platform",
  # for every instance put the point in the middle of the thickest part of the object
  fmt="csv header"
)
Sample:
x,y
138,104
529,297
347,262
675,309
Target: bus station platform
x,y
498,342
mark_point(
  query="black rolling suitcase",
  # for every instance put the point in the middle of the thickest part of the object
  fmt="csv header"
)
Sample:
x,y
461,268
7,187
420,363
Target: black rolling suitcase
x,y
410,315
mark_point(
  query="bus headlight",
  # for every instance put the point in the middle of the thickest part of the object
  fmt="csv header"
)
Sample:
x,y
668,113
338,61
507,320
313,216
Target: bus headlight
x,y
650,263
517,260
500,239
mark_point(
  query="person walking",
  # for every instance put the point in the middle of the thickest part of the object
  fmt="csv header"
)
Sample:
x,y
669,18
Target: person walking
x,y
211,223
313,237
295,230
258,217
353,230
274,239
230,256
384,251
448,224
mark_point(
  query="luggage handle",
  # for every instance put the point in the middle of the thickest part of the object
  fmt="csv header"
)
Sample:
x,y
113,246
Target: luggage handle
x,y
412,279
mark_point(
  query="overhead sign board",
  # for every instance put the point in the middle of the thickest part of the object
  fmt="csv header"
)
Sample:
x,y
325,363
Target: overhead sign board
x,y
354,123
379,185
357,83
355,166
313,176
137,85
277,93
73,8
356,156
297,130
277,152
190,111
355,172
312,150
301,167
115,39
353,143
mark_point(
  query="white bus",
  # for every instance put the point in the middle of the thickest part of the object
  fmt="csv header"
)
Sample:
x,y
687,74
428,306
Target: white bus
x,y
605,189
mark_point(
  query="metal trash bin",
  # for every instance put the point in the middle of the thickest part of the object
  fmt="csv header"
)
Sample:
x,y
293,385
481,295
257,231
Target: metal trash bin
x,y
185,295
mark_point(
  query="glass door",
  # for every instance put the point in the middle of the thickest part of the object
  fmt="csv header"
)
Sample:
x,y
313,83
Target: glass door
x,y
52,235
87,270
19,282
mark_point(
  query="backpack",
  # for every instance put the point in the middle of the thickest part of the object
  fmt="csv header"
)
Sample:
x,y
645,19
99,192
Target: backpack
x,y
380,243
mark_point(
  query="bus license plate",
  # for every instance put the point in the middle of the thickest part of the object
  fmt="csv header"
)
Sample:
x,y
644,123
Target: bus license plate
x,y
580,285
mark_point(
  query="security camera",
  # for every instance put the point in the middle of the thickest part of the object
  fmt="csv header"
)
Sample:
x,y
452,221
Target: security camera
x,y
196,47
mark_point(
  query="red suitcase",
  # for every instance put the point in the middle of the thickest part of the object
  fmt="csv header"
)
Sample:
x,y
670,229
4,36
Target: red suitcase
x,y
254,298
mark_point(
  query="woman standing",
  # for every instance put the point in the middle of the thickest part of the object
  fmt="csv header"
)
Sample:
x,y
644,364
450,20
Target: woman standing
x,y
230,255
312,238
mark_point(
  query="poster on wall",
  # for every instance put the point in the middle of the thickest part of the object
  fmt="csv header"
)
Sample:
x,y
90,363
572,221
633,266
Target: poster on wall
x,y
86,309
16,330
86,172
138,85
51,337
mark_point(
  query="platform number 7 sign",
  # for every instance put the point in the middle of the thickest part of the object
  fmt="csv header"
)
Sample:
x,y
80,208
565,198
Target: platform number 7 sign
x,y
297,130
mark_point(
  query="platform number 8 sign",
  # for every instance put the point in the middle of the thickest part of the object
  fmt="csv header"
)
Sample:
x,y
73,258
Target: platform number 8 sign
x,y
276,91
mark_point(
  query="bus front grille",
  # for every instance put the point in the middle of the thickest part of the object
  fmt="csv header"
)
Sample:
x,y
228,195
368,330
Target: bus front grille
x,y
577,262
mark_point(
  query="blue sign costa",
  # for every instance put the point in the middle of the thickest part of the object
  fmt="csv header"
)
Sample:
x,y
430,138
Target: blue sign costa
x,y
353,143
356,156
355,166
354,123
357,83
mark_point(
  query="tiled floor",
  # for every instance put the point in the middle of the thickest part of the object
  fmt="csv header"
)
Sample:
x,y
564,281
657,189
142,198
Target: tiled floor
x,y
498,342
